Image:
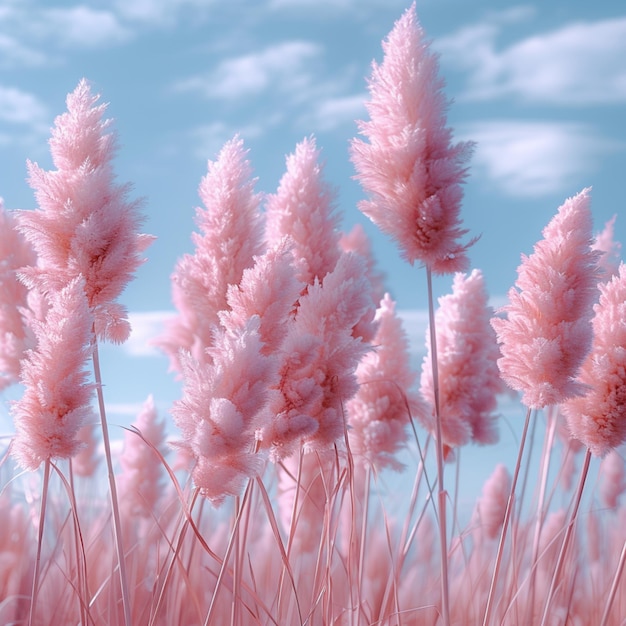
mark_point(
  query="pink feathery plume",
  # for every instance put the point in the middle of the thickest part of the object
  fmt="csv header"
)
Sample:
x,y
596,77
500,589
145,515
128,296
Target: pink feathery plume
x,y
302,209
611,249
467,359
358,242
546,333
57,398
230,236
84,225
223,405
268,289
384,404
408,166
491,506
15,253
320,355
86,460
142,472
598,418
613,478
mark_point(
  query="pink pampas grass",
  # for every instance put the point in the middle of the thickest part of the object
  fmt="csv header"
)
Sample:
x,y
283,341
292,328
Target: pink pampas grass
x,y
84,225
321,353
141,481
222,407
230,236
408,167
58,397
15,253
302,209
467,362
598,418
491,506
384,404
546,333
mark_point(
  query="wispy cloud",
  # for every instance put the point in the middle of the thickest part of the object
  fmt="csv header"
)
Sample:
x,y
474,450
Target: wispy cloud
x,y
80,26
160,12
32,33
283,68
526,158
24,119
209,138
146,326
21,107
323,7
331,112
14,53
581,63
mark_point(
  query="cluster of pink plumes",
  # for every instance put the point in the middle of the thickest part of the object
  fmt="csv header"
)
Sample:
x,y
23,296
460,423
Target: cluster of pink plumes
x,y
267,506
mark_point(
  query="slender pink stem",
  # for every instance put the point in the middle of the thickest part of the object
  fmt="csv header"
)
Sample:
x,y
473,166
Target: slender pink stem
x,y
117,525
568,535
42,518
505,525
541,503
614,585
442,495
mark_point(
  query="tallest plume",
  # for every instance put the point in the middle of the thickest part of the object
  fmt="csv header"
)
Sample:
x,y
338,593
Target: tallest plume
x,y
85,226
409,168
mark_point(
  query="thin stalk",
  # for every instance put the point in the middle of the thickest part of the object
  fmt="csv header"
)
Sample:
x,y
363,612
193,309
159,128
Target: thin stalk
x,y
614,585
117,524
541,503
568,535
505,525
42,517
229,549
443,540
364,513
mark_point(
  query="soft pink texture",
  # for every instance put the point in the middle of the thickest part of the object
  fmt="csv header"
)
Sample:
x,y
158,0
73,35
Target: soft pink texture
x,y
357,241
546,333
385,402
222,407
57,398
141,480
613,479
268,289
598,418
302,209
84,225
320,354
408,167
230,236
86,460
15,253
491,506
467,354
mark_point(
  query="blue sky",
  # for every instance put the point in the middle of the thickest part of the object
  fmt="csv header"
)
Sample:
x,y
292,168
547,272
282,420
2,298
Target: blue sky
x,y
541,88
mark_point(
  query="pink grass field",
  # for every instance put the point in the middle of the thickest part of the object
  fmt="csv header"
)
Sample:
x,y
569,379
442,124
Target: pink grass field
x,y
274,500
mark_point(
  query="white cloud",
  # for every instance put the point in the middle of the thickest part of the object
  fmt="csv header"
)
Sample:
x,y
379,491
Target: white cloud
x,y
21,107
580,63
31,34
210,138
332,112
283,68
336,6
158,11
527,158
82,27
12,53
146,327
